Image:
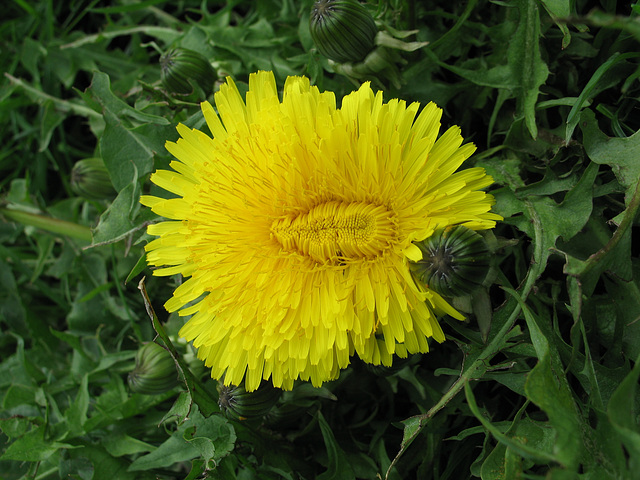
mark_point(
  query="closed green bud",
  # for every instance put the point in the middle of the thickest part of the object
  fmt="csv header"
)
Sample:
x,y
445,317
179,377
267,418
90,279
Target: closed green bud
x,y
90,179
239,404
155,371
342,30
455,261
346,33
184,71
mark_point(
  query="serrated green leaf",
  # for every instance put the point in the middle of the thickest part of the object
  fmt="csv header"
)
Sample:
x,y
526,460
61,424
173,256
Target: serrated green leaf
x,y
607,443
549,185
412,427
16,426
116,109
500,76
517,444
17,395
123,148
80,467
513,381
180,408
120,444
547,387
201,442
560,10
504,171
72,340
76,414
493,466
614,256
547,391
621,154
50,119
338,467
590,89
105,465
131,138
18,370
33,447
118,220
552,220
217,438
108,360
623,410
525,62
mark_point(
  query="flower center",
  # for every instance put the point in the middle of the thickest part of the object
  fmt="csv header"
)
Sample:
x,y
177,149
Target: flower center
x,y
336,232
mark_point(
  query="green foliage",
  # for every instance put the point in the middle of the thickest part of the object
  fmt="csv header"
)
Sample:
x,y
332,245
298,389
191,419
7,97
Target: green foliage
x,y
546,387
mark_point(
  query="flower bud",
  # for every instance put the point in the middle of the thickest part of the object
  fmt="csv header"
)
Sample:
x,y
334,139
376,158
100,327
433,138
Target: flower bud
x,y
239,404
155,371
184,71
342,30
90,179
455,261
346,33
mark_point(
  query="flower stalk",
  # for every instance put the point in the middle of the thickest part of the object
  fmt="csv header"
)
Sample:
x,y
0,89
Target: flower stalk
x,y
50,224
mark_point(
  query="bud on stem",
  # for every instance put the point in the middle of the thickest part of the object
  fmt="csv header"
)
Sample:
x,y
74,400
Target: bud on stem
x,y
343,30
455,261
90,179
185,71
155,371
239,404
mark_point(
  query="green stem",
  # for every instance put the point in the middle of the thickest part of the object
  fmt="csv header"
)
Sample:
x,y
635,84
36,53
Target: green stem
x,y
197,391
478,366
62,105
53,225
151,30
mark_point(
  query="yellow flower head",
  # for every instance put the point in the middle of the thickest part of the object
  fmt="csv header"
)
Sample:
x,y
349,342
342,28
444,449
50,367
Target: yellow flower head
x,y
295,224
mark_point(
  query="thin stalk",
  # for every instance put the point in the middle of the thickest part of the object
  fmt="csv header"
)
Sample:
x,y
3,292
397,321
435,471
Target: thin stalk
x,y
50,224
62,105
477,368
197,391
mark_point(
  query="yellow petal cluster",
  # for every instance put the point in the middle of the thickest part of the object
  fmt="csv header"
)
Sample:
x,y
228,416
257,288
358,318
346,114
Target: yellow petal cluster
x,y
294,225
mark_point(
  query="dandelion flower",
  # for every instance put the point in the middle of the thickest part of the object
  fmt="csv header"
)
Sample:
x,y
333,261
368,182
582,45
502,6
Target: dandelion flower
x,y
295,224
